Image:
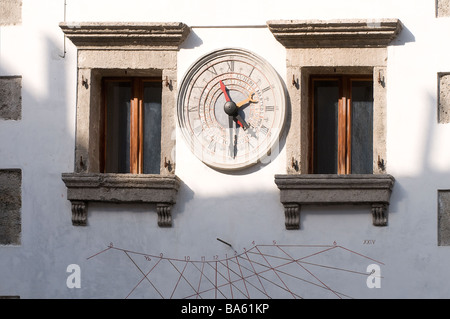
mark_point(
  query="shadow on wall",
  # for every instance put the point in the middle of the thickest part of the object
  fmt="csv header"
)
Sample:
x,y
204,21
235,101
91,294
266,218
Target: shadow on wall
x,y
41,145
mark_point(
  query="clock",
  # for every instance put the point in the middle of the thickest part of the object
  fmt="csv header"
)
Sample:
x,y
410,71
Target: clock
x,y
231,108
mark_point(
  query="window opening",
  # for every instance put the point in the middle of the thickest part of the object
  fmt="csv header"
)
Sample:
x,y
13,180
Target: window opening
x,y
342,121
132,128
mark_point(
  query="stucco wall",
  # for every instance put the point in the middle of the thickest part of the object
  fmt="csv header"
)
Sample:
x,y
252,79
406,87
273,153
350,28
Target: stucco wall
x,y
241,208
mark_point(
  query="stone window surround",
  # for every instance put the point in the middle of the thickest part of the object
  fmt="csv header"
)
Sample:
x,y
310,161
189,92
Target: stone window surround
x,y
443,100
10,12
442,8
333,47
122,49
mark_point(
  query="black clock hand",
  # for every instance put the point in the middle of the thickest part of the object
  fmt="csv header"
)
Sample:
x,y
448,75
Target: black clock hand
x,y
241,121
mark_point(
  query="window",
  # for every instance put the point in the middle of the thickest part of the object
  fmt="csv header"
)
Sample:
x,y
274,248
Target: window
x,y
114,131
337,123
132,142
342,122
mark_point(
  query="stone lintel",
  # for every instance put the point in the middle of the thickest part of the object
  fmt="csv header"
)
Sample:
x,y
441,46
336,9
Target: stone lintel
x,y
83,188
126,35
322,189
335,33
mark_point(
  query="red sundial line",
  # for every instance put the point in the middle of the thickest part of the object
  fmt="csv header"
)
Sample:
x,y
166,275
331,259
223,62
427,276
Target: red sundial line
x,y
354,252
216,286
251,269
179,278
307,281
275,272
250,251
99,253
145,277
283,272
271,281
254,271
229,279
215,282
291,261
268,255
142,274
313,264
281,287
296,246
317,253
259,275
200,280
311,274
210,281
243,279
334,268
284,258
271,268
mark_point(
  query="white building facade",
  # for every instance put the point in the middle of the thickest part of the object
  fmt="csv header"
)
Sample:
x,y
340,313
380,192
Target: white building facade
x,y
122,175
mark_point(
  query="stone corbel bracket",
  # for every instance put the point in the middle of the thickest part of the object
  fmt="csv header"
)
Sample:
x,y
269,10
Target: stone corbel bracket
x,y
321,189
334,33
83,188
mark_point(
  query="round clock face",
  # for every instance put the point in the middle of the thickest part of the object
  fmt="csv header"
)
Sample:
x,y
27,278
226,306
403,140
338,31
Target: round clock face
x,y
231,108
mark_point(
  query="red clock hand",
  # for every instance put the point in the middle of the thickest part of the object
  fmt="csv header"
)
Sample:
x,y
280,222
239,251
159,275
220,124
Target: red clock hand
x,y
224,90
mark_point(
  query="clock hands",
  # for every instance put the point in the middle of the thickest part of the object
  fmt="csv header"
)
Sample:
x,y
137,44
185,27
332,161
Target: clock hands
x,y
247,100
239,104
232,109
233,138
224,90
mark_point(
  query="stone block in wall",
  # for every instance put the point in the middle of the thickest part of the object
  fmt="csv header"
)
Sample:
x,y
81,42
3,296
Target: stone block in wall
x,y
10,97
444,217
10,206
444,98
442,8
10,12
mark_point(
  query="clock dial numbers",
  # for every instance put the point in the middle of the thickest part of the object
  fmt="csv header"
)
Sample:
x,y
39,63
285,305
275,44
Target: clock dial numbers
x,y
231,109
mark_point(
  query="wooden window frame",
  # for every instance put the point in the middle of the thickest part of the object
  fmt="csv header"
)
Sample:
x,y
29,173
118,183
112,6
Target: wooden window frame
x,y
136,121
344,119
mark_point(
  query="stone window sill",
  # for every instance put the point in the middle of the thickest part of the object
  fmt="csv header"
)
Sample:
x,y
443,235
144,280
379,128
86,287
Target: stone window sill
x,y
83,188
321,189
